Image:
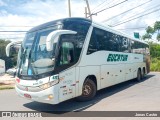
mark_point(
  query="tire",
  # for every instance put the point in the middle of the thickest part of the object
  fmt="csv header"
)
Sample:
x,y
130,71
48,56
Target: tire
x,y
139,76
88,91
143,74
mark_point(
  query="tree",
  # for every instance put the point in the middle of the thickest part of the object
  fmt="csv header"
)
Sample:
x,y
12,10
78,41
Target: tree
x,y
157,26
157,29
154,50
146,36
158,37
150,31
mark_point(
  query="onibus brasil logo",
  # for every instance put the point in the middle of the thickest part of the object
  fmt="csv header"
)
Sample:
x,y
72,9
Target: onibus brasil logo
x,y
117,57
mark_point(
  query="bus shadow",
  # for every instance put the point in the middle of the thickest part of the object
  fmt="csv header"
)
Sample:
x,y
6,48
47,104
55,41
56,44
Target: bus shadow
x,y
74,106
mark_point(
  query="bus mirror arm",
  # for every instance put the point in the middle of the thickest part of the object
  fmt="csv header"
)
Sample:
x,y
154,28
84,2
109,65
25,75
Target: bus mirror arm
x,y
54,36
8,47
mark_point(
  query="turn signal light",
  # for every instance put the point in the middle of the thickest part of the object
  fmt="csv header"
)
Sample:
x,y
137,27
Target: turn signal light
x,y
50,96
17,80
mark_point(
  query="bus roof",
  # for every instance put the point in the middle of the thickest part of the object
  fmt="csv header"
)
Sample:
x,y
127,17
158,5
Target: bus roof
x,y
59,21
99,25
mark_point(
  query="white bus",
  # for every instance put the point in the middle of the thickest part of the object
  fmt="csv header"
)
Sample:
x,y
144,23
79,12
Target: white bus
x,y
75,57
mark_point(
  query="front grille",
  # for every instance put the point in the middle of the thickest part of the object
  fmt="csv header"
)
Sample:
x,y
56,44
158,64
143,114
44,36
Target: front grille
x,y
29,89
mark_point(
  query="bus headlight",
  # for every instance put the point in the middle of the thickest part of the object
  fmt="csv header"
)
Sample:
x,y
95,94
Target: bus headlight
x,y
49,84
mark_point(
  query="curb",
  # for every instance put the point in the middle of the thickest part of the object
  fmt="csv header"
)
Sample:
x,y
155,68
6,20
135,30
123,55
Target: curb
x,y
7,82
7,85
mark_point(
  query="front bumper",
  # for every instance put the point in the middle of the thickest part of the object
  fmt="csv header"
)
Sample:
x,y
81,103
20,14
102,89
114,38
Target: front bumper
x,y
41,96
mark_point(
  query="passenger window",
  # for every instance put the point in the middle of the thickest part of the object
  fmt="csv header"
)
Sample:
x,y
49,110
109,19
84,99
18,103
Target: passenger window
x,y
93,46
125,45
114,42
66,53
103,40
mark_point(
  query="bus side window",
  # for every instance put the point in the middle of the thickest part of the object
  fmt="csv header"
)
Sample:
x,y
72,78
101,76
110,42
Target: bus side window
x,y
93,45
129,45
124,44
103,40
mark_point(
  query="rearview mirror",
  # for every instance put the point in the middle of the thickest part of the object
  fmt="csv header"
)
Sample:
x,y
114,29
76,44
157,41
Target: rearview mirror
x,y
8,47
54,36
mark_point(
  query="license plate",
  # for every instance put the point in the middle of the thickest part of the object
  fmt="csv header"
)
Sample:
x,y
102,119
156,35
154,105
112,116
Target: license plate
x,y
27,96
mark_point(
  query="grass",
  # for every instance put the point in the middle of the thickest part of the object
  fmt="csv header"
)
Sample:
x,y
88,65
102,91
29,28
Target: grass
x,y
6,87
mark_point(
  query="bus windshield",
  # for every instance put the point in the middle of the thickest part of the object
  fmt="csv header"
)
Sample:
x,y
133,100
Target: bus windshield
x,y
33,58
35,61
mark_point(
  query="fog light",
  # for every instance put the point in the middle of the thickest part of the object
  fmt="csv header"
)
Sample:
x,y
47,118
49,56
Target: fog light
x,y
50,96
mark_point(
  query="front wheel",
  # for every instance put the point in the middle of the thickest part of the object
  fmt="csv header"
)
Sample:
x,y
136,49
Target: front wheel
x,y
88,91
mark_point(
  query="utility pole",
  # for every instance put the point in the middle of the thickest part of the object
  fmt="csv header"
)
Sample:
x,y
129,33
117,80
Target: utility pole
x,y
88,9
85,12
69,7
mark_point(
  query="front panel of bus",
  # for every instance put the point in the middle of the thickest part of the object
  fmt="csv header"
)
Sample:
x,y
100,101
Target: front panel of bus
x,y
49,76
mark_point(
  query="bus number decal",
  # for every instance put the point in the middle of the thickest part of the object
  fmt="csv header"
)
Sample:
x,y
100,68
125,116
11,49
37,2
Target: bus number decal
x,y
55,77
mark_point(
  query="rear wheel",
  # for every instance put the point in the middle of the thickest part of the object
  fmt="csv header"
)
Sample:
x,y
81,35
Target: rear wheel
x,y
139,75
88,91
143,73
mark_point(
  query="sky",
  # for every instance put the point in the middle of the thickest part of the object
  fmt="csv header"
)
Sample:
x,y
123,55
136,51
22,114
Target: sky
x,y
22,15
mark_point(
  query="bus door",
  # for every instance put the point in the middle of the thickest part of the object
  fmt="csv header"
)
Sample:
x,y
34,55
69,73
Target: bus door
x,y
67,84
67,75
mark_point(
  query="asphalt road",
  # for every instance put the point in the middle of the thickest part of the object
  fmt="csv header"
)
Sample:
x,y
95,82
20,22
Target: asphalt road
x,y
127,96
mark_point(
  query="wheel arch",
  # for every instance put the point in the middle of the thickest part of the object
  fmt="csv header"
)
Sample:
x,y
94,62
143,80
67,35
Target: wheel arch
x,y
93,78
139,68
144,70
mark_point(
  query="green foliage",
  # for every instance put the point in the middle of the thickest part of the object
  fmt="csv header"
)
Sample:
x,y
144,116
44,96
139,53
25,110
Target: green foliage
x,y
158,36
150,31
157,29
155,64
9,61
155,57
146,36
154,50
157,26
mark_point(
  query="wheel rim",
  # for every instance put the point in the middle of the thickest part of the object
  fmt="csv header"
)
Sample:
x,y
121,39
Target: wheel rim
x,y
87,90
